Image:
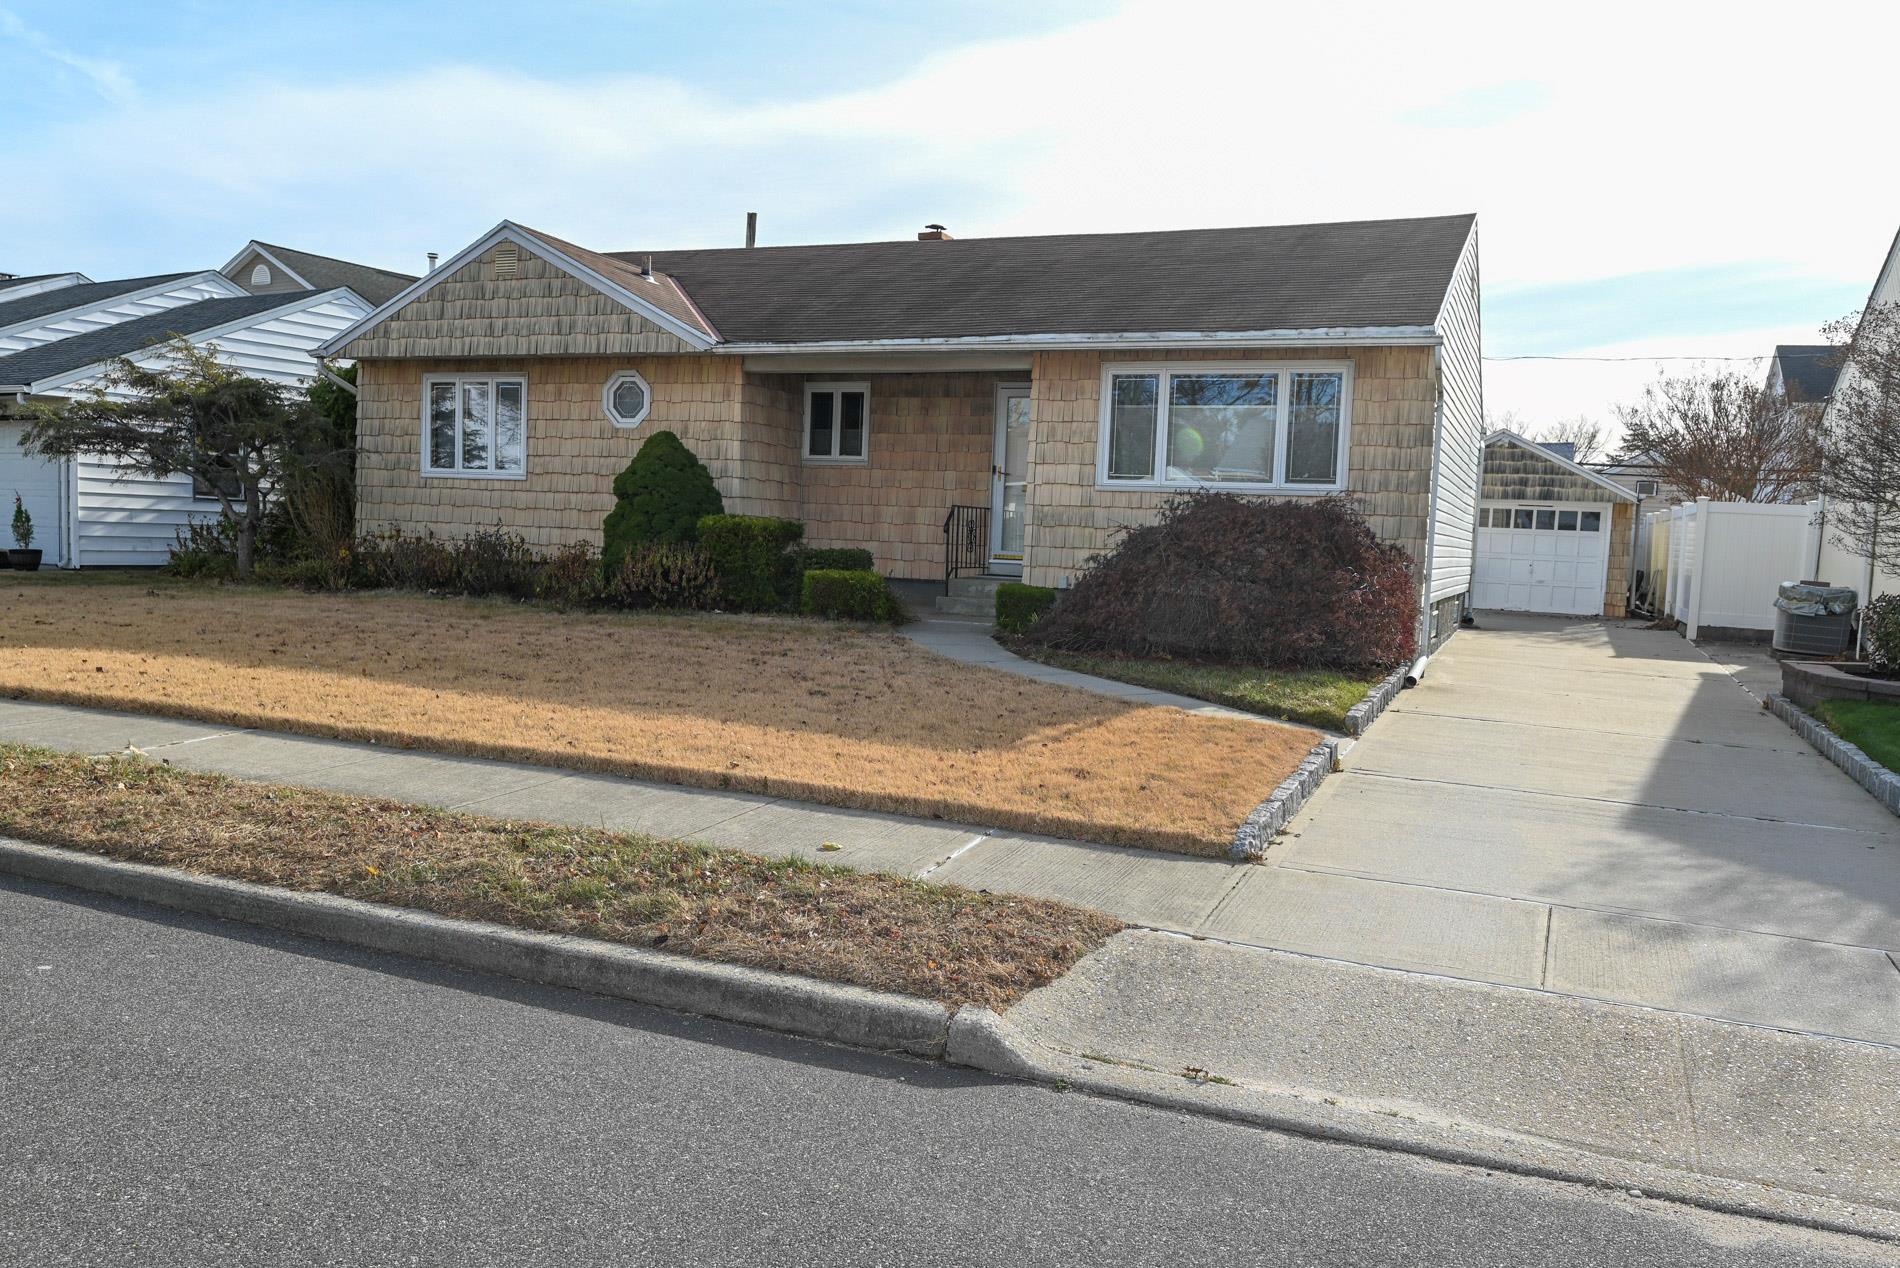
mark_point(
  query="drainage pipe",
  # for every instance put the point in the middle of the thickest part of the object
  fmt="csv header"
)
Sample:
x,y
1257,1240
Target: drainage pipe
x,y
1417,671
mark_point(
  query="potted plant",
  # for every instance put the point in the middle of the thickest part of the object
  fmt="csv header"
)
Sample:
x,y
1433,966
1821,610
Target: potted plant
x,y
25,559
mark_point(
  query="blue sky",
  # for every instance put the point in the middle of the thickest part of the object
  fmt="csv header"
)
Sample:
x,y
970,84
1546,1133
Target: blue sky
x,y
1638,196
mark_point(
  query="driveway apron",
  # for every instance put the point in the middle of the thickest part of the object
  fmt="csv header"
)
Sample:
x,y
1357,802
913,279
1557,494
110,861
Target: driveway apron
x,y
1597,809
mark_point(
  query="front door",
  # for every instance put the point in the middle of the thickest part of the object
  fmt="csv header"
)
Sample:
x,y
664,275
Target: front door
x,y
1009,478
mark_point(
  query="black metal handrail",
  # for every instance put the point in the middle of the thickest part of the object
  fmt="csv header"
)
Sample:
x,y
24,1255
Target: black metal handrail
x,y
966,542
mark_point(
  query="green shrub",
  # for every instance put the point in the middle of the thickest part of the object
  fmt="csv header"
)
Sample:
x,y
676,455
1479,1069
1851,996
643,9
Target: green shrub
x,y
1881,620
492,561
571,577
661,497
663,575
749,555
1019,606
850,595
842,558
205,548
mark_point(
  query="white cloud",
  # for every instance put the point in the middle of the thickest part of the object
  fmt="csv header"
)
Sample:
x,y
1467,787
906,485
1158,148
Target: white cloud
x,y
1642,137
108,78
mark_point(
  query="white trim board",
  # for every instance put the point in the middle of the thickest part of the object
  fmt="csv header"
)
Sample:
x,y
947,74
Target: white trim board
x,y
508,231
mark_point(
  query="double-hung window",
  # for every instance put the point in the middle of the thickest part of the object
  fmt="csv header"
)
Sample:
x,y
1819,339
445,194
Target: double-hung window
x,y
1245,425
837,422
475,425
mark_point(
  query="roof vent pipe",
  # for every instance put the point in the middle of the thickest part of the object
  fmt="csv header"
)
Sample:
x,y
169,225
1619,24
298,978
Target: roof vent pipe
x,y
752,228
432,259
646,267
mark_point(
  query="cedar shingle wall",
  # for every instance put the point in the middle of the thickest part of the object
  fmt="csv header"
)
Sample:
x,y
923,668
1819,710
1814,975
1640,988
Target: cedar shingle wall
x,y
539,311
1515,473
574,452
931,444
1617,576
1388,466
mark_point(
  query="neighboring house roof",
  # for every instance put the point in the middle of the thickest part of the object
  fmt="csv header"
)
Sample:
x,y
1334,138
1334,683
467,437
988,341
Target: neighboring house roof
x,y
9,280
325,272
1353,275
1562,448
60,299
22,370
1502,436
1807,370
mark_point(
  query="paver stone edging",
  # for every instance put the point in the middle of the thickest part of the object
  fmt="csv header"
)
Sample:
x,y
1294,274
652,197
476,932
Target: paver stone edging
x,y
1271,815
1383,693
1865,771
973,1036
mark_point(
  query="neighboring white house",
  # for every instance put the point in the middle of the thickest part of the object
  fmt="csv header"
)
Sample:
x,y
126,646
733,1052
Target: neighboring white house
x,y
1835,565
57,341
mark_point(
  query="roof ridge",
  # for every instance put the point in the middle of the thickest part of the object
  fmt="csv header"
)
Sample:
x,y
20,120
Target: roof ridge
x,y
1050,237
334,259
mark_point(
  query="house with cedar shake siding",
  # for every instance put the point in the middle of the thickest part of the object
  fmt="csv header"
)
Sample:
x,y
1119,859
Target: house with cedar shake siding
x,y
999,406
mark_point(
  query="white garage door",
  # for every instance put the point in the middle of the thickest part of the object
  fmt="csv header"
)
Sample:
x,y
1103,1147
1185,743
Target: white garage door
x,y
37,483
1542,557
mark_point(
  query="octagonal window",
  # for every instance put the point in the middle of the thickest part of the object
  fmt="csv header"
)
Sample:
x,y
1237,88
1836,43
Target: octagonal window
x,y
627,399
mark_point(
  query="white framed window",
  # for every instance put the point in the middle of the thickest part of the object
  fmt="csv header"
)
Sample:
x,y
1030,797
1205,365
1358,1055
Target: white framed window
x,y
837,422
1249,426
475,426
627,399
1647,488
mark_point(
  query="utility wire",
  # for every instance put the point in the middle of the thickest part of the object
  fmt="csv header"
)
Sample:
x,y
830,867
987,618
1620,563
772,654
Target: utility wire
x,y
1757,357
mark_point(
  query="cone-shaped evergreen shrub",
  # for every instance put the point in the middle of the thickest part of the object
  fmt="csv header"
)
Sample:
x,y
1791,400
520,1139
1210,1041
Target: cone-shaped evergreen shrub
x,y
660,499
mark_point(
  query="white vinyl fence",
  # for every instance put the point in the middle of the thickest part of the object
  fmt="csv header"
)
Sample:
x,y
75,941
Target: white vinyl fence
x,y
1718,564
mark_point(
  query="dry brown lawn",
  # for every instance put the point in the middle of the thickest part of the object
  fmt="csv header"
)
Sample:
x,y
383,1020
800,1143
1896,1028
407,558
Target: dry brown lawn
x,y
800,709
883,932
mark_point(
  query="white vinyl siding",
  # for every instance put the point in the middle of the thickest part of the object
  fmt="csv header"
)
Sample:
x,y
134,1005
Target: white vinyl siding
x,y
110,312
132,520
39,482
1460,457
1247,427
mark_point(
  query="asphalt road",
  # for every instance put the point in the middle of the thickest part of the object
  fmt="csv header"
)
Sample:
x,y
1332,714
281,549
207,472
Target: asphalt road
x,y
179,1091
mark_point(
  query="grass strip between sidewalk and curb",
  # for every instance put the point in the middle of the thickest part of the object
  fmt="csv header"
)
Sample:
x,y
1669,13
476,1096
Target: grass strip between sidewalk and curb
x,y
1312,697
884,933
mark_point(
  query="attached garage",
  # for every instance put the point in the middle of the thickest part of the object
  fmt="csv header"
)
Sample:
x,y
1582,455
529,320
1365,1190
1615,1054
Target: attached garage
x,y
1552,536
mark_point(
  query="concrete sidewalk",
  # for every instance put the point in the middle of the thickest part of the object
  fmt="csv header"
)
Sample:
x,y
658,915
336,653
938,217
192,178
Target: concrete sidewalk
x,y
1521,1075
1142,887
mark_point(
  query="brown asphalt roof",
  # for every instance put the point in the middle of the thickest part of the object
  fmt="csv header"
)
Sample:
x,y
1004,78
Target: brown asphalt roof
x,y
1369,273
326,272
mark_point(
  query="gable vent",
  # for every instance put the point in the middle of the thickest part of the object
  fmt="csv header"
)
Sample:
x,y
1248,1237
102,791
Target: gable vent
x,y
507,260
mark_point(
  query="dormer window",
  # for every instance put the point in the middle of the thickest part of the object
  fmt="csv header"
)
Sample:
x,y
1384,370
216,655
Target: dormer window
x,y
260,276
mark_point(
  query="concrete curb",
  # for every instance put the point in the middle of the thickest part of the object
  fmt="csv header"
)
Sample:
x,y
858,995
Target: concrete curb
x,y
754,997
983,1040
1864,770
1363,714
1253,835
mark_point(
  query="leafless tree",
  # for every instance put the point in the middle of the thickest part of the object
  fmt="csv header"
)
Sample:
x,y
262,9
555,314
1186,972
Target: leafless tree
x,y
1861,439
1586,434
1723,436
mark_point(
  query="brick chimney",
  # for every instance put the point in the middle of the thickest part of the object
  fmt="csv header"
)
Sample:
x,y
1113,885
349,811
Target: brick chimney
x,y
934,233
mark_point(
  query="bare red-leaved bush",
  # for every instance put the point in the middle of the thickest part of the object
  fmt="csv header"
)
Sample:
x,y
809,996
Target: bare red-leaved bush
x,y
1219,578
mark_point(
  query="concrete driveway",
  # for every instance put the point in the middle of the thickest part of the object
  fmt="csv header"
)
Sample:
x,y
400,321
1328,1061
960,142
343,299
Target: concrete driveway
x,y
1602,810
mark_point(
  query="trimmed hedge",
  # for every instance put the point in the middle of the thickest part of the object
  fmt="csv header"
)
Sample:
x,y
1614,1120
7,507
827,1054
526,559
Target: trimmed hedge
x,y
749,555
661,497
1019,606
1881,620
1218,578
836,558
850,595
